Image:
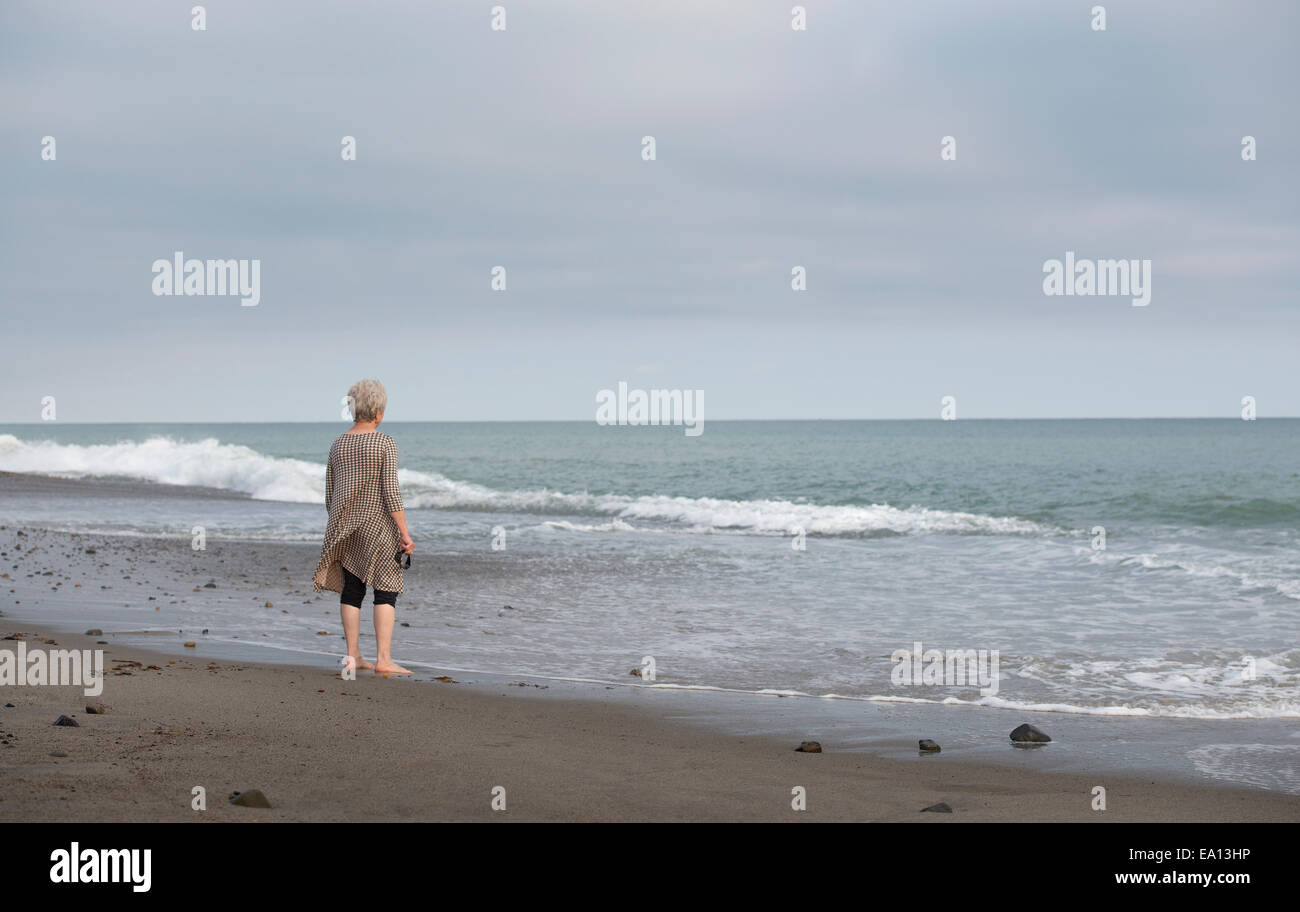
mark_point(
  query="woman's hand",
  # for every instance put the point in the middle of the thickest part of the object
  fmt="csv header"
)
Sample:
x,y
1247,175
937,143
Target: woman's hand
x,y
403,533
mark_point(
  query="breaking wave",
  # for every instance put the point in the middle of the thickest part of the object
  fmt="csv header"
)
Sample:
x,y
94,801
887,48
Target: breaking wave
x,y
233,467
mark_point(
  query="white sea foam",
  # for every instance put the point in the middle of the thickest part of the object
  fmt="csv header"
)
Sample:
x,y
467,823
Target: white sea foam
x,y
1288,709
1287,586
232,467
1275,767
615,525
202,463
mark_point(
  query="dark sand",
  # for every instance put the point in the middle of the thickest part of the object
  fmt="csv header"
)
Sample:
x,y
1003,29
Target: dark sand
x,y
377,749
387,749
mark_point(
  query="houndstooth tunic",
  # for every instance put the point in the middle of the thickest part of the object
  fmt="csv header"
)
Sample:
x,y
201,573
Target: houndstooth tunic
x,y
360,491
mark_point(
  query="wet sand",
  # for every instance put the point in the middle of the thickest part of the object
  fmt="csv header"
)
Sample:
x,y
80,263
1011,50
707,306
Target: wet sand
x,y
378,749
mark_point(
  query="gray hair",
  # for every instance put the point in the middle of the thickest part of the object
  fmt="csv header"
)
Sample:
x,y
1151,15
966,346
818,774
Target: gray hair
x,y
368,398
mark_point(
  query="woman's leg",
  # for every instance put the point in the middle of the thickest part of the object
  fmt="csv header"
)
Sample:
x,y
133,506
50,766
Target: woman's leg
x,y
354,592
385,614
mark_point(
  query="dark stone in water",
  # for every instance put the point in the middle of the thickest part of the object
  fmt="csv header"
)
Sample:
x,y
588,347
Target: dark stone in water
x,y
809,747
253,798
9,706
928,746
940,808
94,632
1027,734
67,720
58,753
209,585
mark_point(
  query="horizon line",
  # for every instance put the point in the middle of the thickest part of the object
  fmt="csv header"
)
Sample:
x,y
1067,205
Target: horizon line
x,y
705,421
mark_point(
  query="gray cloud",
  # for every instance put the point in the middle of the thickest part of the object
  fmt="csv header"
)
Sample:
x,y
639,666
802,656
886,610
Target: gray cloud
x,y
775,148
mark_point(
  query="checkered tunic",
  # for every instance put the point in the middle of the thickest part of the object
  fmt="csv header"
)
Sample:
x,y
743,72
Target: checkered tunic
x,y
360,491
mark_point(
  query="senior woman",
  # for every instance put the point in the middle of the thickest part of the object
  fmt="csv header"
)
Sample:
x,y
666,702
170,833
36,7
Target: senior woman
x,y
367,535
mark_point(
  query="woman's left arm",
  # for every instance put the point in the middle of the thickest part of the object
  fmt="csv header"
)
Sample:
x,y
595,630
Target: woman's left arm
x,y
329,482
393,495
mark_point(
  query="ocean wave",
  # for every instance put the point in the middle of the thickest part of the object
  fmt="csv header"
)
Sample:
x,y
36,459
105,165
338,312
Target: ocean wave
x,y
1217,510
203,463
233,467
1284,709
1184,684
1286,586
615,525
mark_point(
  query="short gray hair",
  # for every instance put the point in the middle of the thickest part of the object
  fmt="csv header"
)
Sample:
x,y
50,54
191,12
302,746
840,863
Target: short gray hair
x,y
368,398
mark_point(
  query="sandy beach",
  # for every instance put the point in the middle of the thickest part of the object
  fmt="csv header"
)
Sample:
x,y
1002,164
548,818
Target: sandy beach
x,y
231,715
325,749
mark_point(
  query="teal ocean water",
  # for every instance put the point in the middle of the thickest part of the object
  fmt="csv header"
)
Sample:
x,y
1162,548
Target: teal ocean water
x,y
787,556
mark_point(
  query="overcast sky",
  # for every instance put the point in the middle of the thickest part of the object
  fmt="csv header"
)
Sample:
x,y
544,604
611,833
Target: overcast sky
x,y
775,148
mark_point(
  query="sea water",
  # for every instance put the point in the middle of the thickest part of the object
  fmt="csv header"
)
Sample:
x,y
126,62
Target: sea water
x,y
1117,567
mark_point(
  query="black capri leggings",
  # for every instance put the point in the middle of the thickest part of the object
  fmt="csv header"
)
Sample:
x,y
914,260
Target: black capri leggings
x,y
354,592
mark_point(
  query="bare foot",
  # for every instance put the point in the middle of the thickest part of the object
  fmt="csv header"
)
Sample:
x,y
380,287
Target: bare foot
x,y
361,663
391,668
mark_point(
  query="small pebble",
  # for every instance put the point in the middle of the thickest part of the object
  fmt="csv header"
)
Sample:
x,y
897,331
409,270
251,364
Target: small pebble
x,y
252,798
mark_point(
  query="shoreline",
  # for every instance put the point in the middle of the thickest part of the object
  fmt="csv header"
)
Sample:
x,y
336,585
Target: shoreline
x,y
66,582
880,730
324,749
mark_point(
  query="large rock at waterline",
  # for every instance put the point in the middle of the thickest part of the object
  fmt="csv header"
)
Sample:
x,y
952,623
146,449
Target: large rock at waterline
x,y
927,746
940,808
1027,734
809,747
